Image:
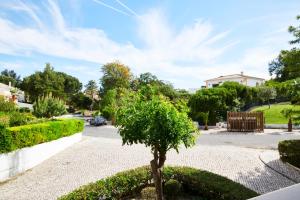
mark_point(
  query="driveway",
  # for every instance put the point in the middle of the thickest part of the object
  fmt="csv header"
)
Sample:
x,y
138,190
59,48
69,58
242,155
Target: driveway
x,y
101,154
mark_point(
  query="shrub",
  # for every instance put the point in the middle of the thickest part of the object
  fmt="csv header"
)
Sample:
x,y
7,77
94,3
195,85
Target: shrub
x,y
130,183
289,151
29,135
49,107
6,106
24,110
4,120
172,188
148,193
18,119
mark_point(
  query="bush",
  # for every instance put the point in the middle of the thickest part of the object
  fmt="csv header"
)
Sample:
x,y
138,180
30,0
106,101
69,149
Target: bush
x,y
289,151
6,106
4,120
24,110
172,188
29,135
18,119
148,193
49,107
130,183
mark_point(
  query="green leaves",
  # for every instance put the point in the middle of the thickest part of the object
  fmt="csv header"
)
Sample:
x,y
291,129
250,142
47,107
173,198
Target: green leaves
x,y
49,107
155,123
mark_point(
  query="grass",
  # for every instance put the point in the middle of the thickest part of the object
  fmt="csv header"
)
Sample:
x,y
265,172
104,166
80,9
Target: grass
x,y
273,115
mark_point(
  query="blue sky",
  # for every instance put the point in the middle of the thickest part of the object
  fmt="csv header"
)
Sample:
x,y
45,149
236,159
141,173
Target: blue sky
x,y
183,42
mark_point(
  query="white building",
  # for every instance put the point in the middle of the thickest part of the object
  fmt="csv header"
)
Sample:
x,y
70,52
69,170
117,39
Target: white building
x,y
250,81
7,92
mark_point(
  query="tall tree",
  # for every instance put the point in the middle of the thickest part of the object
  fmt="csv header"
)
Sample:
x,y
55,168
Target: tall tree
x,y
115,75
287,65
91,89
48,81
10,76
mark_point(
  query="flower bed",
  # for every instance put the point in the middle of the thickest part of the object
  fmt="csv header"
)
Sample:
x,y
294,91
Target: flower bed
x,y
14,138
130,183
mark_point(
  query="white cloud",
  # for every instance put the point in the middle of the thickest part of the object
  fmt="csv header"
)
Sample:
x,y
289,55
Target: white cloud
x,y
186,57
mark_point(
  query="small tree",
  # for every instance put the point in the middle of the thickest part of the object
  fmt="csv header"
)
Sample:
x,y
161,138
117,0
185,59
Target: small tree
x,y
204,116
266,94
160,126
288,113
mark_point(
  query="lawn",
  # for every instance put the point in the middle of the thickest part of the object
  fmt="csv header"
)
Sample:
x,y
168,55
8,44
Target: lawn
x,y
273,115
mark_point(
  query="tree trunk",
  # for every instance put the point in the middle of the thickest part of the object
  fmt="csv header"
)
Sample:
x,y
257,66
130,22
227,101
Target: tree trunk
x,y
206,126
269,104
290,125
156,165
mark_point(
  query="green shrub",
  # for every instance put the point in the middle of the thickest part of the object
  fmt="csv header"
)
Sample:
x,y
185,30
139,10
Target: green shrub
x,y
6,106
24,110
289,151
172,188
49,107
148,193
29,135
18,119
130,183
4,120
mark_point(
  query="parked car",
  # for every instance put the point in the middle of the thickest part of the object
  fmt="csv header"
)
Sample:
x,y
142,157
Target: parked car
x,y
98,121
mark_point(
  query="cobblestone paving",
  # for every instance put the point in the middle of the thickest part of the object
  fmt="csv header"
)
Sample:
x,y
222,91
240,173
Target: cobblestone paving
x,y
271,159
94,158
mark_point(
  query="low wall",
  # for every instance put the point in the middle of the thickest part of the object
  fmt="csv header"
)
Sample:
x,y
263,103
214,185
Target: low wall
x,y
18,161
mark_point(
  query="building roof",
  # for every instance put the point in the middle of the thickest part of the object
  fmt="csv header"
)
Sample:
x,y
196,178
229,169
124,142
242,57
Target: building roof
x,y
232,76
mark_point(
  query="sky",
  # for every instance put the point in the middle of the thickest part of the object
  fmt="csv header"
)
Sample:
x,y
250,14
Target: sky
x,y
182,42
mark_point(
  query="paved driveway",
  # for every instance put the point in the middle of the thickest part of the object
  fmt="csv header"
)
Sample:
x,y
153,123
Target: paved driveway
x,y
100,154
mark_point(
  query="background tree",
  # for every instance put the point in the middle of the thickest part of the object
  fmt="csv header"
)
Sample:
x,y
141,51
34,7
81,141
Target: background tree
x,y
10,76
91,89
266,94
81,101
287,65
115,75
48,81
109,105
157,124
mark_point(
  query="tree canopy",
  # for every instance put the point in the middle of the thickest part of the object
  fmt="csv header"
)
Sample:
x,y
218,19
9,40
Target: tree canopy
x,y
287,65
10,76
115,75
48,81
159,125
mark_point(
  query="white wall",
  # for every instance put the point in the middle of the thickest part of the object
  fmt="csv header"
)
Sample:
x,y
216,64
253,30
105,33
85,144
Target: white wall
x,y
21,160
249,82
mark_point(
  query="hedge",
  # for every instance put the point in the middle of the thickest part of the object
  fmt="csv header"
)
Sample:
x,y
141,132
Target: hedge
x,y
18,137
289,151
130,183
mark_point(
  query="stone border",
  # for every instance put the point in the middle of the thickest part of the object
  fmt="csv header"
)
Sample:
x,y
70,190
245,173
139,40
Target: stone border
x,y
273,161
18,161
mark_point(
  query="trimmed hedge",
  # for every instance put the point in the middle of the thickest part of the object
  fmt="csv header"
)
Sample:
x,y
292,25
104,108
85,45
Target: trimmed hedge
x,y
130,183
18,137
289,151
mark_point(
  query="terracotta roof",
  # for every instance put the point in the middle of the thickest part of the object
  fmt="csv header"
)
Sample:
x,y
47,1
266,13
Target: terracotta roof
x,y
234,76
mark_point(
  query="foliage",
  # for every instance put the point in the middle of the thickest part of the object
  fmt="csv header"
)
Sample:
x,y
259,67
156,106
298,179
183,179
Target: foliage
x,y
148,193
157,124
130,183
29,135
24,110
273,115
18,119
109,104
49,107
47,82
289,151
10,76
6,106
4,120
211,100
172,188
91,89
81,101
266,93
115,75
287,65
